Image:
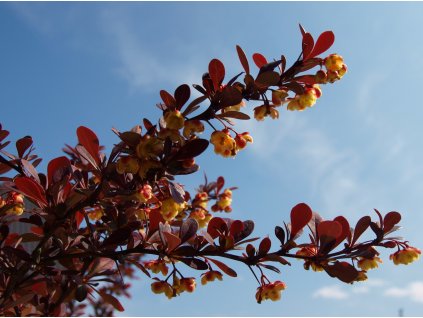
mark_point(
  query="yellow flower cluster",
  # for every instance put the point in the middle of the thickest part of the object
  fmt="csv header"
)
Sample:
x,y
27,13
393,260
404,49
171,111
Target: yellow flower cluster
x,y
16,202
187,284
270,291
224,202
335,70
227,146
162,287
260,112
368,263
174,119
305,100
406,256
157,266
170,209
210,276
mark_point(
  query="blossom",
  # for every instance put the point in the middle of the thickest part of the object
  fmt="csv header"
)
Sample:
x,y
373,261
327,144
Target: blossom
x,y
334,62
174,119
361,276
278,96
405,256
149,147
162,287
145,193
241,140
191,127
170,209
270,291
201,216
127,164
368,263
96,214
201,200
157,266
210,276
224,144
224,202
260,112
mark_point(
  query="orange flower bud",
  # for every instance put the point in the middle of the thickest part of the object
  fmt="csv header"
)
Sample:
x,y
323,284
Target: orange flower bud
x,y
334,62
320,77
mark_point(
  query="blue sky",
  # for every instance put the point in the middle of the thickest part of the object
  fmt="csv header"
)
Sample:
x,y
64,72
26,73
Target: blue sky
x,y
103,64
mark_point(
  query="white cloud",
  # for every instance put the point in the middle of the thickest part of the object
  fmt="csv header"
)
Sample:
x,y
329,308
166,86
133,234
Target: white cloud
x,y
330,292
360,289
140,63
414,291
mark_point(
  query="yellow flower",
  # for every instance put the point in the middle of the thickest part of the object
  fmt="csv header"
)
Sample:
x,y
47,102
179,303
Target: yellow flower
x,y
144,194
96,214
170,209
174,119
162,287
210,276
224,202
201,216
200,200
127,164
405,256
191,127
361,276
236,107
278,96
334,62
146,166
241,140
368,263
224,144
260,112
270,291
157,266
149,147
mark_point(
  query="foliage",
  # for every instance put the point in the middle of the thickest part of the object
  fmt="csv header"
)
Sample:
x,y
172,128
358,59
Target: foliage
x,y
96,218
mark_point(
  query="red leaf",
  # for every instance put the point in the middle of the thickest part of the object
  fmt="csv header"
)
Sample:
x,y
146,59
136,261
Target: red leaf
x,y
301,214
303,31
112,301
243,59
88,139
23,144
236,227
324,42
56,168
31,189
167,99
182,94
220,182
172,241
155,219
264,246
308,43
390,220
216,226
40,288
329,232
37,230
79,216
216,72
343,271
259,60
361,226
225,268
346,231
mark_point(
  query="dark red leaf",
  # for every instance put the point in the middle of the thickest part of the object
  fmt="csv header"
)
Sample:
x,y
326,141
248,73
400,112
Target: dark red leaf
x,y
361,226
79,216
259,60
280,234
216,72
155,219
22,145
236,227
168,99
182,94
172,241
188,229
3,134
243,59
31,189
324,42
346,230
30,169
118,237
192,105
112,301
191,149
57,168
88,139
344,271
235,114
301,214
195,263
276,258
390,220
247,229
224,268
303,31
230,97
329,232
264,246
308,43
267,79
40,288
177,192
216,227
130,138
220,182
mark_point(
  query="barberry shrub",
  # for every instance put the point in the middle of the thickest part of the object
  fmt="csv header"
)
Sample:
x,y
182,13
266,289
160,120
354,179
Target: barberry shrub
x,y
96,218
